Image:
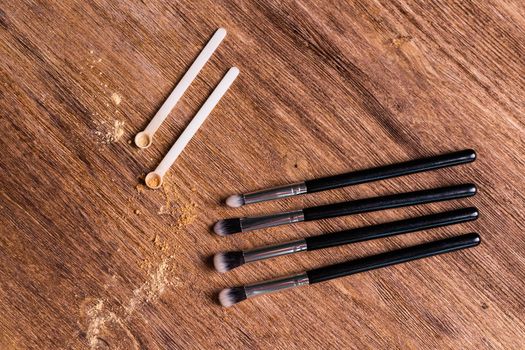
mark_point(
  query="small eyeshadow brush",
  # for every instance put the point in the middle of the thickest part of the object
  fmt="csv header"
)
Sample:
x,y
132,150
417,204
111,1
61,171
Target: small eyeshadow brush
x,y
235,225
354,178
231,296
226,261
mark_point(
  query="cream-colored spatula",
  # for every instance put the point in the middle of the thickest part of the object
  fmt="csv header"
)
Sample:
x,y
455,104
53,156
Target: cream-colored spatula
x,y
154,178
144,138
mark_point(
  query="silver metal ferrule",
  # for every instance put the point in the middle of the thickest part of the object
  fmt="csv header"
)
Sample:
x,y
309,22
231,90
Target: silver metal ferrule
x,y
276,285
257,222
274,250
275,193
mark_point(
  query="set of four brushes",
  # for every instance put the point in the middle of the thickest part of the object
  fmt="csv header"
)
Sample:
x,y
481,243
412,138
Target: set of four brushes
x,y
228,260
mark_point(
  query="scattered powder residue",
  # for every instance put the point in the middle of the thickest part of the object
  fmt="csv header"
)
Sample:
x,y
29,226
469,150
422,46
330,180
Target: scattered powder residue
x,y
116,98
401,40
140,188
107,326
184,214
162,247
118,129
101,322
152,288
171,198
155,239
179,212
97,320
108,133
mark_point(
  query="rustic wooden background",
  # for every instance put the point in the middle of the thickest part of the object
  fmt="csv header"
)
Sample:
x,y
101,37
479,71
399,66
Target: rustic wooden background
x,y
90,259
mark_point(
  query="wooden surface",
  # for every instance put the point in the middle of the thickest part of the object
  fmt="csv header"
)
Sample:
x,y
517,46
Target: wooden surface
x,y
90,259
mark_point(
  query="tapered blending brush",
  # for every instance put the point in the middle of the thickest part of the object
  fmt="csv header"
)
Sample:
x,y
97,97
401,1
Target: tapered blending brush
x,y
235,225
231,296
354,178
226,261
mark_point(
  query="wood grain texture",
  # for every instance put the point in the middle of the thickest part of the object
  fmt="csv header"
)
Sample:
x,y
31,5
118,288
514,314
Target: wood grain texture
x,y
90,259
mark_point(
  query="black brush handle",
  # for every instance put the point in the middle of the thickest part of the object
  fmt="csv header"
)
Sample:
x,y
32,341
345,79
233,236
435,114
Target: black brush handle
x,y
391,228
392,170
386,202
393,257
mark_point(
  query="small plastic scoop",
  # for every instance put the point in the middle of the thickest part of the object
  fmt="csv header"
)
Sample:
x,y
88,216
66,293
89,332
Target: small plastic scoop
x,y
154,178
144,138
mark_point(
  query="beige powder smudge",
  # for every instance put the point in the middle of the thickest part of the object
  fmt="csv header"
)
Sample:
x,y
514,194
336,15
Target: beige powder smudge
x,y
118,130
140,188
116,98
102,321
151,289
184,214
110,133
99,320
181,215
401,40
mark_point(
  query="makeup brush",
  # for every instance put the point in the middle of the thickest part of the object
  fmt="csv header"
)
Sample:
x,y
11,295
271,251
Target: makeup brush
x,y
234,225
226,261
230,296
354,178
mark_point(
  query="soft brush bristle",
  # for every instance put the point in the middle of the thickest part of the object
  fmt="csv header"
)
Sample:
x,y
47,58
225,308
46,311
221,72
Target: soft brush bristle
x,y
227,261
230,296
227,227
235,201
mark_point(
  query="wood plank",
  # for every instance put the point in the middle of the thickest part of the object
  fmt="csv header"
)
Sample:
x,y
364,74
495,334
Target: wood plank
x,y
89,258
